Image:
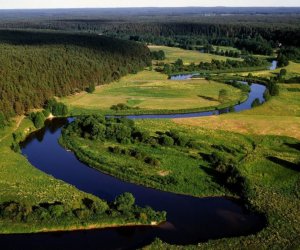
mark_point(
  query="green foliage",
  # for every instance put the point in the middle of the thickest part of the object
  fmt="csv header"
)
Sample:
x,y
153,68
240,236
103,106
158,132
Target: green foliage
x,y
273,88
158,55
120,106
287,54
15,147
38,119
166,140
248,63
91,88
255,103
56,108
267,95
72,61
124,202
256,46
283,72
46,113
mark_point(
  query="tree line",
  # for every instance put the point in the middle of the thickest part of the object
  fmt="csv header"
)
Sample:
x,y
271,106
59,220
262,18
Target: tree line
x,y
35,66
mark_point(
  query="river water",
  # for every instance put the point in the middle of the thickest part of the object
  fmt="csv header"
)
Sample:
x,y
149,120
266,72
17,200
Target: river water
x,y
189,219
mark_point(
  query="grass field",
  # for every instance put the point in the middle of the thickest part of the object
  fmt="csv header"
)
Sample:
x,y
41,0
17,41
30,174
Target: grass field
x,y
279,116
188,56
269,164
149,90
273,185
293,69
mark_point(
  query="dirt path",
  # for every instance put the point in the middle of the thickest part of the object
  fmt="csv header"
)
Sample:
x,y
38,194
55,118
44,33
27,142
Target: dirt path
x,y
19,120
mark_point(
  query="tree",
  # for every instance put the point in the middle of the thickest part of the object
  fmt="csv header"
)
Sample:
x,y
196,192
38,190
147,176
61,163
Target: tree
x,y
282,72
91,88
124,202
37,119
255,103
273,89
166,140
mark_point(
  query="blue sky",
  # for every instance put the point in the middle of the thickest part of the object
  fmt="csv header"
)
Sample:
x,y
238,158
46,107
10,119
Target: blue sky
x,y
11,4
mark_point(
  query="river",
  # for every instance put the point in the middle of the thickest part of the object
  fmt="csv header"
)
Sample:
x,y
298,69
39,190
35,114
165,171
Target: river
x,y
189,219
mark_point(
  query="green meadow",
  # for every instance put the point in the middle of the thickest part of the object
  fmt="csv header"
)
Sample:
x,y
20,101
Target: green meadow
x,y
188,56
152,92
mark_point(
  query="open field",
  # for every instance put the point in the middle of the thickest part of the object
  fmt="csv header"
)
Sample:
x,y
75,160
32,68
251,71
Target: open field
x,y
188,56
149,90
273,185
279,116
293,69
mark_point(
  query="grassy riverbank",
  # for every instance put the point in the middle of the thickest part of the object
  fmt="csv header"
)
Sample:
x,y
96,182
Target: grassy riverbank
x,y
268,164
278,116
32,201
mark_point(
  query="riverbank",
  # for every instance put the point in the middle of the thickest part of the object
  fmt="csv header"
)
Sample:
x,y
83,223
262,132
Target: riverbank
x,y
23,185
185,214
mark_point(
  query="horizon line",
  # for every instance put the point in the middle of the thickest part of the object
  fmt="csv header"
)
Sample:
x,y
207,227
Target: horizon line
x,y
148,7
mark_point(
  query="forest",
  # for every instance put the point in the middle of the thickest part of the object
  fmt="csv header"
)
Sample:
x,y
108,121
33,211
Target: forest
x,y
35,66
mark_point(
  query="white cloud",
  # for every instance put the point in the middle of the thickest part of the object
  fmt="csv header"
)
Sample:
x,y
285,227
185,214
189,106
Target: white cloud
x,y
138,3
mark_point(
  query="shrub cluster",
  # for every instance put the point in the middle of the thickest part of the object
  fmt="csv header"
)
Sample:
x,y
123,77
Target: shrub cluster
x,y
215,65
56,108
158,55
228,172
38,119
85,210
119,106
23,212
136,153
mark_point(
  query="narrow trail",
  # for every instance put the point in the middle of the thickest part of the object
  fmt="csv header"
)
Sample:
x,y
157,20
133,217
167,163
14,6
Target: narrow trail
x,y
20,119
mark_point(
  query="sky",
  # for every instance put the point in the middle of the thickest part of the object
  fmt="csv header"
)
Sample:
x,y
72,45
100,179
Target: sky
x,y
29,4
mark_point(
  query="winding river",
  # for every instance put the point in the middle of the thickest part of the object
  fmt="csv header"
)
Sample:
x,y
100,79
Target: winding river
x,y
190,219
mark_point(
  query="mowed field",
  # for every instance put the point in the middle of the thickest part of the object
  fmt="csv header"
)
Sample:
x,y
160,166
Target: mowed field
x,y
149,90
279,116
188,56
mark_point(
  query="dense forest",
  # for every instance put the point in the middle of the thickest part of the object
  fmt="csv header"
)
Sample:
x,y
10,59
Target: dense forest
x,y
248,28
61,64
35,66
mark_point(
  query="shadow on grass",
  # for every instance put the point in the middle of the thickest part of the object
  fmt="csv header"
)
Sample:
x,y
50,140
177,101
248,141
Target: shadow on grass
x,y
216,176
293,145
284,163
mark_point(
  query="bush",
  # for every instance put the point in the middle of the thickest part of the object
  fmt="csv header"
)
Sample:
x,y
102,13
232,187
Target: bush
x,y
15,147
152,161
81,213
267,95
166,140
119,106
56,211
91,88
255,103
179,138
124,202
46,113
